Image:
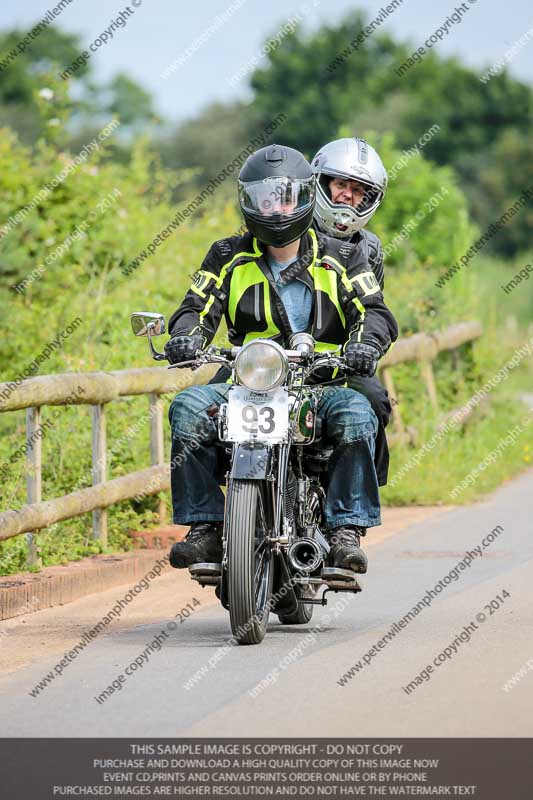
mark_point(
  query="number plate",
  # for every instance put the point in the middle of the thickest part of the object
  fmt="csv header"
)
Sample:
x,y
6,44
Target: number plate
x,y
257,415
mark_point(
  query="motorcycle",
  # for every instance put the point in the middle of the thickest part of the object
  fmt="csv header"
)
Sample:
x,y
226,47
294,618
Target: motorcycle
x,y
274,552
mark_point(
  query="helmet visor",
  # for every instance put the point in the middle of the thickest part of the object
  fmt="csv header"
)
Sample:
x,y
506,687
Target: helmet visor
x,y
288,197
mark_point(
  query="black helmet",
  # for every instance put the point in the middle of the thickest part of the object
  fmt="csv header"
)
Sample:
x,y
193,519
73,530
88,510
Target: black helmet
x,y
277,194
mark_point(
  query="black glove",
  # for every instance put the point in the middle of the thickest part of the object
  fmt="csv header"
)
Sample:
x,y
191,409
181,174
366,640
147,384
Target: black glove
x,y
361,359
183,348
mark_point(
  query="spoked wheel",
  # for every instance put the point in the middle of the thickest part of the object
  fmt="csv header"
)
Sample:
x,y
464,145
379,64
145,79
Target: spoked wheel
x,y
250,569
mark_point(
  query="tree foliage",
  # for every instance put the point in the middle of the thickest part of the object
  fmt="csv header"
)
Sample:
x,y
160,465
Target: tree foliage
x,y
39,66
485,128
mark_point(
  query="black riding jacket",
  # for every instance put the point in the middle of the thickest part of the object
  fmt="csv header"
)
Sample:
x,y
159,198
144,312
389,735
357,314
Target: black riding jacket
x,y
235,281
372,244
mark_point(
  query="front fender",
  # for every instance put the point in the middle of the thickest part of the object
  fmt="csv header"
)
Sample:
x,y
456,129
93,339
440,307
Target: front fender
x,y
251,462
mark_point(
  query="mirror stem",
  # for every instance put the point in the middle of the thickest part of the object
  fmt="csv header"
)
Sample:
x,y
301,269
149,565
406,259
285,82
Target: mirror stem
x,y
157,356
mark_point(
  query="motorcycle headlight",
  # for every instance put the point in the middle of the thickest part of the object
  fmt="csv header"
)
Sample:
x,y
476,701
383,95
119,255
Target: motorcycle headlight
x,y
261,365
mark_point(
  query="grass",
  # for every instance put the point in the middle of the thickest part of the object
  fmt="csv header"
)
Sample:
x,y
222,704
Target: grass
x,y
433,480
507,321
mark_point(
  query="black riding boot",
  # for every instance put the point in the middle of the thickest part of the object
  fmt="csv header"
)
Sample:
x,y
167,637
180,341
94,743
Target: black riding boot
x,y
346,552
202,543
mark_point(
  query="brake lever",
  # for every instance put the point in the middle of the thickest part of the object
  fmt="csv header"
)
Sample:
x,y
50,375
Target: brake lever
x,y
327,361
184,364
203,357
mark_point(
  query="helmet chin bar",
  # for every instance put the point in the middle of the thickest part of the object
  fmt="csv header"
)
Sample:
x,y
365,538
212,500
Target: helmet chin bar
x,y
344,214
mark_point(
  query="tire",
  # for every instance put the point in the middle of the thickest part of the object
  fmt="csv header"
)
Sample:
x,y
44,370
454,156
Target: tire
x,y
250,569
301,616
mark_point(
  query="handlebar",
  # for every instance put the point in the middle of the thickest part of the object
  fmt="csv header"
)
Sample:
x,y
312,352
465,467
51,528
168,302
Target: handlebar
x,y
225,355
232,352
292,355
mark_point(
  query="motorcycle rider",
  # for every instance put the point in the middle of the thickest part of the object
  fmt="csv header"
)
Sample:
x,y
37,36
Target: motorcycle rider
x,y
351,184
278,278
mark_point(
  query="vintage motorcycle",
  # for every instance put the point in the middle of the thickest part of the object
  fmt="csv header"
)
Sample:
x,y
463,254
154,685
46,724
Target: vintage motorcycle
x,y
276,479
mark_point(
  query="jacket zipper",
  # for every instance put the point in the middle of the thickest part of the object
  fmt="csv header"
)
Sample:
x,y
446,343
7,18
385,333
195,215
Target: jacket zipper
x,y
318,311
257,311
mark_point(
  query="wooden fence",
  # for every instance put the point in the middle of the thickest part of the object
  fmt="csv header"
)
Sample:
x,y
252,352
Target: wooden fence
x,y
100,388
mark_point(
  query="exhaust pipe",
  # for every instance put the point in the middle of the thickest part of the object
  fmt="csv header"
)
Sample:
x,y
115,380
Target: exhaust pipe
x,y
305,555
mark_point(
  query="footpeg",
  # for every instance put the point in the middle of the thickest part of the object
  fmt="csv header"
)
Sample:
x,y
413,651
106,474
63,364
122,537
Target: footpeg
x,y
329,574
206,573
340,580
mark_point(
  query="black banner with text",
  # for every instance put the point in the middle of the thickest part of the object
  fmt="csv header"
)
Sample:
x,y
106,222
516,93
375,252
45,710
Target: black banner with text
x,y
486,769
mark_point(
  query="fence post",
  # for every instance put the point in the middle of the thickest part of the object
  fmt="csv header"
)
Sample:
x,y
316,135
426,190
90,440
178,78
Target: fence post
x,y
33,478
396,413
99,468
429,380
157,446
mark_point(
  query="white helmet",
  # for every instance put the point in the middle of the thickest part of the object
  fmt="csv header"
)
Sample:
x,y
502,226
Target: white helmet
x,y
355,160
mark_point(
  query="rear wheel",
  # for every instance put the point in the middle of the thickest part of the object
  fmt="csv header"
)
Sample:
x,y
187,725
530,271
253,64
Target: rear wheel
x,y
301,616
250,568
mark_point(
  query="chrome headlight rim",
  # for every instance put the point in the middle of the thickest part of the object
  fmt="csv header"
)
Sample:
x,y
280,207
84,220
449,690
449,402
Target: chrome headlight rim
x,y
284,363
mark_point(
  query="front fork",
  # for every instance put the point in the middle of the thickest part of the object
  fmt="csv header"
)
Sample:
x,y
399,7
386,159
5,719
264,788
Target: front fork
x,y
260,461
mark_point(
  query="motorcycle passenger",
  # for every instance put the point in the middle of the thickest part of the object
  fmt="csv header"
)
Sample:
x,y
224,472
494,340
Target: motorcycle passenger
x,y
278,278
351,184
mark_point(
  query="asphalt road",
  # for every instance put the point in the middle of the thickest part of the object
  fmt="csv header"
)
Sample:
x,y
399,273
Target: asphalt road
x,y
289,685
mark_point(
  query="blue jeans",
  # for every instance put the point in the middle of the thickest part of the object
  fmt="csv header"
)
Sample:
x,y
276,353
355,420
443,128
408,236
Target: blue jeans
x,y
196,468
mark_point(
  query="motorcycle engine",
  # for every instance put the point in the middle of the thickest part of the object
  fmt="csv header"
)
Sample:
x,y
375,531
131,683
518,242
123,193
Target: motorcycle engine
x,y
289,496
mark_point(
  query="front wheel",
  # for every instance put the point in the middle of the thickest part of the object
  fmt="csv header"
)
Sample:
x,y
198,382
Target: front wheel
x,y
250,567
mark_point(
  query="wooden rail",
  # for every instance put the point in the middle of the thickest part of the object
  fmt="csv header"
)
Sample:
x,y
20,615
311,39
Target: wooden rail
x,y
422,348
96,389
100,388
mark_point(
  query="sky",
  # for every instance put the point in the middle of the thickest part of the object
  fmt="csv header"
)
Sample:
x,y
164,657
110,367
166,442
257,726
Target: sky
x,y
210,42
